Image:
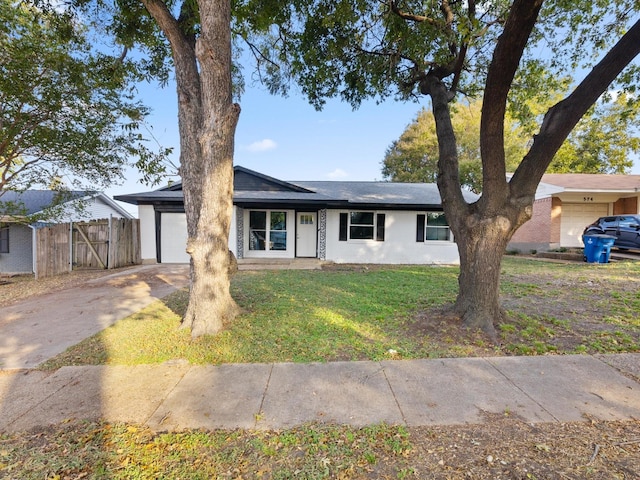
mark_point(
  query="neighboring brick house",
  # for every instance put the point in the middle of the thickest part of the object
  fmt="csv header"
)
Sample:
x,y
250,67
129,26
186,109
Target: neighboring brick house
x,y
567,202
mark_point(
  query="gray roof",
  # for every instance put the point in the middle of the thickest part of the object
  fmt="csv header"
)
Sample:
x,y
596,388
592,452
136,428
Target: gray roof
x,y
377,193
336,194
34,201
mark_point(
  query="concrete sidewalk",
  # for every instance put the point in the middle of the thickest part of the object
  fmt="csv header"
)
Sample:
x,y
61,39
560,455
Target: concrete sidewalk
x,y
273,396
38,328
175,396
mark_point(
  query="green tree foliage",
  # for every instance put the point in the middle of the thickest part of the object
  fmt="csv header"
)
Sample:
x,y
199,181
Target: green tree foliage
x,y
511,52
68,113
605,141
414,156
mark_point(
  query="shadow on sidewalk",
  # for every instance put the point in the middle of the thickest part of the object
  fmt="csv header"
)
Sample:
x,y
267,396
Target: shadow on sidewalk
x,y
39,328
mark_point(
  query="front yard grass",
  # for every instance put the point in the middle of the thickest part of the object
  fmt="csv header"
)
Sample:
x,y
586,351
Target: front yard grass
x,y
373,313
359,313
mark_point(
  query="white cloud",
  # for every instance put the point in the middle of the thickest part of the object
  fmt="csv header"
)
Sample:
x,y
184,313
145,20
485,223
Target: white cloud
x,y
337,173
261,146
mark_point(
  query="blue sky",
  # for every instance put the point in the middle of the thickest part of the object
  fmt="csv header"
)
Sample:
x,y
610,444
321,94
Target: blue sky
x,y
288,139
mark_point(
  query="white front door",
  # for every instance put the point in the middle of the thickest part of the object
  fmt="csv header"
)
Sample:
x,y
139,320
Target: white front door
x,y
306,234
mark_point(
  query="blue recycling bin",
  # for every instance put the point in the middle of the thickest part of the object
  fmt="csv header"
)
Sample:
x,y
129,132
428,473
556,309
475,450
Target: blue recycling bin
x,y
597,248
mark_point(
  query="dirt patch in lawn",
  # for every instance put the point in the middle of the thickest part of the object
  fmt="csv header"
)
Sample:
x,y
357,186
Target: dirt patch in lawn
x,y
504,447
551,311
508,448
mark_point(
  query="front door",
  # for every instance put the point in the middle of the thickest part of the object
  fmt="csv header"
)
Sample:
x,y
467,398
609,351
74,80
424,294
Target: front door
x,y
306,234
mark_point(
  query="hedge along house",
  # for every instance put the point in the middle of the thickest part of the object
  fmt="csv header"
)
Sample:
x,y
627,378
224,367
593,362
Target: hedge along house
x,y
342,222
567,202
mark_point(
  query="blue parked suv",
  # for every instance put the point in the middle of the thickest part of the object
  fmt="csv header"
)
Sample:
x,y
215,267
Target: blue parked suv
x,y
626,229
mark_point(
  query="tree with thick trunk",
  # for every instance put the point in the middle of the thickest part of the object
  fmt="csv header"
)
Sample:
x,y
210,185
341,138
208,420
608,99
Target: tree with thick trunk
x,y
444,49
207,119
483,229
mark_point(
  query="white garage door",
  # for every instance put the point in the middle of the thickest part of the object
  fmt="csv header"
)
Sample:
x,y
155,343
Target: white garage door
x,y
173,238
576,216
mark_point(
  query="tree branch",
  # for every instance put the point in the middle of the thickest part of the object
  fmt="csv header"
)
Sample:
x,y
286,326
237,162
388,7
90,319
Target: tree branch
x,y
257,54
169,26
563,117
448,167
410,16
504,64
188,84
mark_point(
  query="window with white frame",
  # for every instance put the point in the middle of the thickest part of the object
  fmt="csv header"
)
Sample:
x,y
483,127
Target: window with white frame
x,y
267,230
362,226
432,226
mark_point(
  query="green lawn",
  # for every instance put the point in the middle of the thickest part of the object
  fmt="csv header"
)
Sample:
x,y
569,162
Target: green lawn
x,y
363,313
358,313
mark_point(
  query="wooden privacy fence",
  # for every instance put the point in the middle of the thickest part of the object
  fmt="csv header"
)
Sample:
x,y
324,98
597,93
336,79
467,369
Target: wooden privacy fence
x,y
98,244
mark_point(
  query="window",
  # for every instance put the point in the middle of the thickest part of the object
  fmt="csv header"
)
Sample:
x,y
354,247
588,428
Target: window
x,y
278,231
628,222
4,239
306,219
257,230
272,238
361,226
432,226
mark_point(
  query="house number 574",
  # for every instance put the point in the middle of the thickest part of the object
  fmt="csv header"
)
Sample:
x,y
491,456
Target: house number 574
x,y
587,199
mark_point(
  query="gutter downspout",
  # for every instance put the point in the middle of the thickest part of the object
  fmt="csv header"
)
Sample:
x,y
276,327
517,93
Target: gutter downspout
x,y
34,256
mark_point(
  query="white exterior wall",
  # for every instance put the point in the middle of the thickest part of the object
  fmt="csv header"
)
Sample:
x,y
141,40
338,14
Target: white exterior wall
x,y
92,209
98,209
398,247
147,217
173,236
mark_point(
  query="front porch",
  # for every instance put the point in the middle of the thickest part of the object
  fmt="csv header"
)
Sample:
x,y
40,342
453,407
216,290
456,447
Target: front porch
x,y
279,264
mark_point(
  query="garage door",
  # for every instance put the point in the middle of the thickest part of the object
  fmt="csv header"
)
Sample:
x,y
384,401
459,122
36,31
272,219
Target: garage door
x,y
173,238
576,216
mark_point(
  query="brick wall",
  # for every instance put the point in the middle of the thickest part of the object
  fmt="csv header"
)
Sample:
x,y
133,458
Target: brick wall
x,y
538,233
538,229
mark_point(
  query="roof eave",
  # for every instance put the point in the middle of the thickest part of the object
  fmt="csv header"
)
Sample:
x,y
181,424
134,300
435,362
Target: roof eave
x,y
601,190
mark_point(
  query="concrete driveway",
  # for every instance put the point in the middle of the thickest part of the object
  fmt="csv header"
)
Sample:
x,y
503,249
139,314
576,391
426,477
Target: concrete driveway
x,y
40,327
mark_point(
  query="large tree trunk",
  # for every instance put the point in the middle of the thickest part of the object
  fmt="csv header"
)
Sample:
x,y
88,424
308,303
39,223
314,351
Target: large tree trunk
x,y
483,229
210,302
207,120
481,247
